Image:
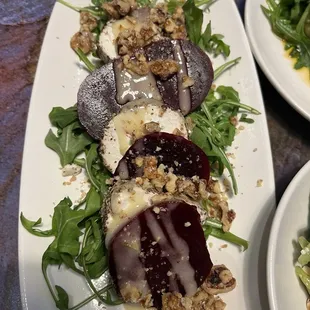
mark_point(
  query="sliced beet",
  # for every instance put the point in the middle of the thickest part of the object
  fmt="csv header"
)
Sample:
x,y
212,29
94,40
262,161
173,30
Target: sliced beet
x,y
164,246
199,68
97,103
176,152
96,100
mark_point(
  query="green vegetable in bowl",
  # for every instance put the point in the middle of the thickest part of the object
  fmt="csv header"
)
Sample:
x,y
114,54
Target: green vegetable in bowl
x,y
290,21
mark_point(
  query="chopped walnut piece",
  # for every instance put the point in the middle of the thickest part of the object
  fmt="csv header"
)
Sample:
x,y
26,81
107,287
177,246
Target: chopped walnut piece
x,y
170,25
83,40
178,15
220,280
87,21
164,68
118,8
159,13
151,127
150,167
187,81
130,40
200,301
137,65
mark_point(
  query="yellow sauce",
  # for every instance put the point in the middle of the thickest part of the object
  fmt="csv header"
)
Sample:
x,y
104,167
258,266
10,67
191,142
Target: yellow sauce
x,y
129,126
304,73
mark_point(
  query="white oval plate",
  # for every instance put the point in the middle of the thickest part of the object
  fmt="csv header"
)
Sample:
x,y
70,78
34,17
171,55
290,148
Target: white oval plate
x,y
269,52
58,77
291,221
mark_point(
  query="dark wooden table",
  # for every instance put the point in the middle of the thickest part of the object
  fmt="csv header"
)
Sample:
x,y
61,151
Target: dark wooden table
x,y
22,28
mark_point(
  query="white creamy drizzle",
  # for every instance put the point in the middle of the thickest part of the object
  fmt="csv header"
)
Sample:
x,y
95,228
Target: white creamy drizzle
x,y
178,255
128,264
131,86
184,93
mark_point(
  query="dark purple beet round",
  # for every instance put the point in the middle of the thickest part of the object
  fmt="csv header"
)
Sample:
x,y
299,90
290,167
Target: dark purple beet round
x,y
96,101
199,68
161,262
176,152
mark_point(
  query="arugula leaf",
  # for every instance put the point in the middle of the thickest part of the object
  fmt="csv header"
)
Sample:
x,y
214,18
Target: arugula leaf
x,y
60,117
30,226
91,156
63,298
89,65
221,69
69,144
193,20
93,202
213,43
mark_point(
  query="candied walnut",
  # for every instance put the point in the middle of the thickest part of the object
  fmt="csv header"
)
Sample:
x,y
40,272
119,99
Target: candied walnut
x,y
137,65
83,40
220,280
130,293
202,189
200,301
178,15
148,32
187,187
214,186
150,167
164,68
170,25
159,13
179,33
171,185
151,127
187,81
175,301
87,21
130,40
119,8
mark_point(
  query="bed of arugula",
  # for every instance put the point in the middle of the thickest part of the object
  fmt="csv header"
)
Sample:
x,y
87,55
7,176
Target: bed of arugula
x,y
77,229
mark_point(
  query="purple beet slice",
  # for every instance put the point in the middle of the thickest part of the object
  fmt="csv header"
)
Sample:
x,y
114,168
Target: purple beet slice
x,y
162,249
176,152
96,101
199,68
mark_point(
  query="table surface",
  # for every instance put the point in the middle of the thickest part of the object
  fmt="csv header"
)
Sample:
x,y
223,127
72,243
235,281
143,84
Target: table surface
x,y
22,28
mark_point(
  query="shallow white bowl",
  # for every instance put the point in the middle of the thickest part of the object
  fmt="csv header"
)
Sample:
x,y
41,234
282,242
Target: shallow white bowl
x,y
291,221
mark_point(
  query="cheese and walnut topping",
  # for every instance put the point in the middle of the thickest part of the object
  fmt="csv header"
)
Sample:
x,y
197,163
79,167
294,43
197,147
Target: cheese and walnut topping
x,y
135,120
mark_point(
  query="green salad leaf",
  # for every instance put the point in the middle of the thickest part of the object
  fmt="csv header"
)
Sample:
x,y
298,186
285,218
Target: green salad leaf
x,y
193,19
31,227
213,43
60,117
69,143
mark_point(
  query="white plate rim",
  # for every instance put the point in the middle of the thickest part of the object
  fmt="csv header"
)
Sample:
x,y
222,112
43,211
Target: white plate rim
x,y
280,211
263,65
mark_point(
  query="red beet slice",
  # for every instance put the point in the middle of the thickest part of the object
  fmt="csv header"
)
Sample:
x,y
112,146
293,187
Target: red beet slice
x,y
164,246
199,68
176,152
97,102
